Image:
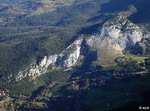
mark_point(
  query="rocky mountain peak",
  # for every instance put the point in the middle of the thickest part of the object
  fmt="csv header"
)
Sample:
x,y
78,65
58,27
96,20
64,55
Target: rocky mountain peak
x,y
114,36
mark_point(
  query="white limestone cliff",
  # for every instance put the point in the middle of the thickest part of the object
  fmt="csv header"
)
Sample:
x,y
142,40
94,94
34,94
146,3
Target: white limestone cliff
x,y
116,34
71,54
67,58
122,33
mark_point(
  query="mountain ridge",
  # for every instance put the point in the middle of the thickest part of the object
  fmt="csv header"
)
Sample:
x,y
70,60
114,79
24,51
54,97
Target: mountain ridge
x,y
117,34
74,55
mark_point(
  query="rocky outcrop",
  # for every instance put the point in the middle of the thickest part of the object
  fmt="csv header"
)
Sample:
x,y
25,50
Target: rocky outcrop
x,y
67,58
118,33
70,56
124,33
114,36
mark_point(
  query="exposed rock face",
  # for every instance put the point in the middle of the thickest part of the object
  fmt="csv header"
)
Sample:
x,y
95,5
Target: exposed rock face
x,y
116,35
124,33
70,56
67,58
46,61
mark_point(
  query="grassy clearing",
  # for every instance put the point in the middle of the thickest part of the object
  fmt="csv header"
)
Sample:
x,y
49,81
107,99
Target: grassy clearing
x,y
39,103
42,10
65,2
106,56
57,90
108,65
50,5
44,1
139,59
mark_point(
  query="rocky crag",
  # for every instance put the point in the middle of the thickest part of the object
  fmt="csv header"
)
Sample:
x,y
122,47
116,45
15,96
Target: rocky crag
x,y
114,36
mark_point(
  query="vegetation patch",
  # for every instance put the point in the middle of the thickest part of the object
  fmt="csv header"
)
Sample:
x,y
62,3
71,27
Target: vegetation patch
x,y
139,59
57,91
117,95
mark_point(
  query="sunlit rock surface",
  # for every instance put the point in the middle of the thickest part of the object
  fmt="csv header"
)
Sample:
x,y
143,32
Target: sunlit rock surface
x,y
116,34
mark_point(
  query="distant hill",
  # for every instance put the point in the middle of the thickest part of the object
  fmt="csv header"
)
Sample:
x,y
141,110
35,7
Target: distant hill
x,y
15,1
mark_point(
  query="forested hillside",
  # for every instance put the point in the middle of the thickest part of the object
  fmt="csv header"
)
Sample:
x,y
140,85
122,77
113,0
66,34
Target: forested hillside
x,y
85,53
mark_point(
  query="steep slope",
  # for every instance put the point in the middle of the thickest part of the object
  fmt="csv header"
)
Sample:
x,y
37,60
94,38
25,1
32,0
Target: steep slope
x,y
24,44
58,40
115,36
